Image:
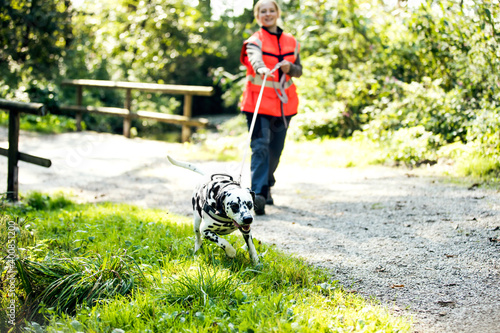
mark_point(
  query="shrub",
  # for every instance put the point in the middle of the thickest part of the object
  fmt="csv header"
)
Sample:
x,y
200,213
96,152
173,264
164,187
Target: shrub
x,y
421,104
312,125
484,132
39,201
411,146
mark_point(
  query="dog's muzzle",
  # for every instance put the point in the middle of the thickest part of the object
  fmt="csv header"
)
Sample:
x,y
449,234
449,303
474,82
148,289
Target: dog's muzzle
x,y
246,222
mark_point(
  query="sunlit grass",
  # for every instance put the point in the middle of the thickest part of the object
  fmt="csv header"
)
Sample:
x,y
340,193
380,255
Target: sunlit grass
x,y
125,269
335,153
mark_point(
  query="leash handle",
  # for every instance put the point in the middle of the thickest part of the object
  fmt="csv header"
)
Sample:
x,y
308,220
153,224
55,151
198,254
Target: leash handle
x,y
254,118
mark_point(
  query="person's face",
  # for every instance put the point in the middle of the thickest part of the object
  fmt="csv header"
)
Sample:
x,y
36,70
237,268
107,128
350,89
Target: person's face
x,y
268,15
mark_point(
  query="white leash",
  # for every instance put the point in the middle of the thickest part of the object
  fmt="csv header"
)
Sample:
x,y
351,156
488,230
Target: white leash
x,y
254,118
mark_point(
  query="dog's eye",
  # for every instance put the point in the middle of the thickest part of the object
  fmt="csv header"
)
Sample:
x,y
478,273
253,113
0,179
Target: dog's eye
x,y
249,205
235,207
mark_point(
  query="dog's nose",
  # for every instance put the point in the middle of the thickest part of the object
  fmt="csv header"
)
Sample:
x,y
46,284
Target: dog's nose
x,y
247,220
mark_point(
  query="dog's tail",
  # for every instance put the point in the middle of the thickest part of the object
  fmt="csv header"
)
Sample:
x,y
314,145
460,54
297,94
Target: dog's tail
x,y
185,165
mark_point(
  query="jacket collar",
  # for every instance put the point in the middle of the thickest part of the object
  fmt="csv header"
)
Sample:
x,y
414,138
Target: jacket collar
x,y
277,34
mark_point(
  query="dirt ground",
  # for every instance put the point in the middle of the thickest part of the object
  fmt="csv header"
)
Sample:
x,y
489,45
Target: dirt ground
x,y
422,247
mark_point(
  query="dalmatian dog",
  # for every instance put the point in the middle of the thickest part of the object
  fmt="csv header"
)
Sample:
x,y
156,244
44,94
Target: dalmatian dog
x,y
220,206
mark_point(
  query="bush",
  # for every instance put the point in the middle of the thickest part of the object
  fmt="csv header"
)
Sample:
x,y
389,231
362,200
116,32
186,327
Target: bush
x,y
421,104
39,201
410,146
311,125
483,131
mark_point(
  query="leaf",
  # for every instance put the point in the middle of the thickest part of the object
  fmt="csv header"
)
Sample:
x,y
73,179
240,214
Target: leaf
x,y
446,303
395,286
488,13
200,316
77,325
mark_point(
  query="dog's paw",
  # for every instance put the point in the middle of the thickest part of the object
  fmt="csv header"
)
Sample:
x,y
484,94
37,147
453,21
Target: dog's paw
x,y
230,252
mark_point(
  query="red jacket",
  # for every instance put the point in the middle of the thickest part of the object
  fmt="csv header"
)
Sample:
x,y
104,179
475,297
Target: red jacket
x,y
274,49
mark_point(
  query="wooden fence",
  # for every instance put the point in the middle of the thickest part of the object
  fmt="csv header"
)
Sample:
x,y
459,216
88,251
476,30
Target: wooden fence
x,y
128,114
15,108
13,154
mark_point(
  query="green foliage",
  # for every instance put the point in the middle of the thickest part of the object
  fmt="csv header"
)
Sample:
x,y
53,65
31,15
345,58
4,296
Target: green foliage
x,y
384,70
319,124
425,104
44,124
33,38
109,267
484,130
411,146
39,201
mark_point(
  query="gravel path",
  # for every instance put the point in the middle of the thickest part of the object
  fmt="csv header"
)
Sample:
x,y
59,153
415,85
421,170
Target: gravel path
x,y
422,247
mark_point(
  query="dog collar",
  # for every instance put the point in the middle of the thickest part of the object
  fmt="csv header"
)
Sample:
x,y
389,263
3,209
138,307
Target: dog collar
x,y
215,214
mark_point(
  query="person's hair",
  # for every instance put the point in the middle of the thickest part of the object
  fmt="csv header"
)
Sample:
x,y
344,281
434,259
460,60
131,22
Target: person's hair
x,y
256,8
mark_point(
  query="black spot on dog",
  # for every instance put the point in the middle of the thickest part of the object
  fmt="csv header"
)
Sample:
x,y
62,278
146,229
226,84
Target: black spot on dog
x,y
235,207
211,236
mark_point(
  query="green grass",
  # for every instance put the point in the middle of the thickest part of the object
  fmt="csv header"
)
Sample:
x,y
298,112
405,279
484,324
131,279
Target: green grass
x,y
120,268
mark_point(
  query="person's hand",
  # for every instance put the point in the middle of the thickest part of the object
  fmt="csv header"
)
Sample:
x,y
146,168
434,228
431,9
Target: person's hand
x,y
264,71
285,66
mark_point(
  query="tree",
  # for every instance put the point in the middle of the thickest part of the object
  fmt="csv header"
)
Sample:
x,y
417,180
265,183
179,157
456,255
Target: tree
x,y
33,37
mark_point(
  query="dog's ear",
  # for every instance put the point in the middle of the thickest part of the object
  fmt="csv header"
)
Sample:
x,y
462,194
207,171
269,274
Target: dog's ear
x,y
252,193
220,199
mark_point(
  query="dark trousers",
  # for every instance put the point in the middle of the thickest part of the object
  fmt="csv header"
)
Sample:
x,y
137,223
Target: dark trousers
x,y
268,140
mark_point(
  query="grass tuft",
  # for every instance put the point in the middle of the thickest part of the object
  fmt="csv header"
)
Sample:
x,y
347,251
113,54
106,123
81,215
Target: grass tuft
x,y
199,286
64,283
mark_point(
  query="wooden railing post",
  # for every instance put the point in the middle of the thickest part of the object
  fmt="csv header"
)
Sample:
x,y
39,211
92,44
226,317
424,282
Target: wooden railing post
x,y
79,98
127,121
186,129
13,156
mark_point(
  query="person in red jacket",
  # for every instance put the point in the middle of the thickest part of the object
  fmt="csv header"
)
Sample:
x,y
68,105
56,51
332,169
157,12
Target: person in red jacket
x,y
261,53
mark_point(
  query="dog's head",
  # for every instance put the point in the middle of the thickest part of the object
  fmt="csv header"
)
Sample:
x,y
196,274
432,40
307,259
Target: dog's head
x,y
238,205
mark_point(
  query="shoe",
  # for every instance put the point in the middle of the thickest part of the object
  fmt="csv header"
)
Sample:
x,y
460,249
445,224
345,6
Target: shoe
x,y
260,204
269,198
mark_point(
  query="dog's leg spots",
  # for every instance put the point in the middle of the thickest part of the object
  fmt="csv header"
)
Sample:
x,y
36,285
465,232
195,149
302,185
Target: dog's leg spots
x,y
251,248
223,244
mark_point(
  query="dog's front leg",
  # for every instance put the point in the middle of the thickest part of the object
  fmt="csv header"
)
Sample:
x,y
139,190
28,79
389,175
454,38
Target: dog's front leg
x,y
251,248
223,244
198,240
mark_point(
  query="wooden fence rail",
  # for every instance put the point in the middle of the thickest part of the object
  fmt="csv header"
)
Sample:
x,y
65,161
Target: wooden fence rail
x,y
126,112
13,154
